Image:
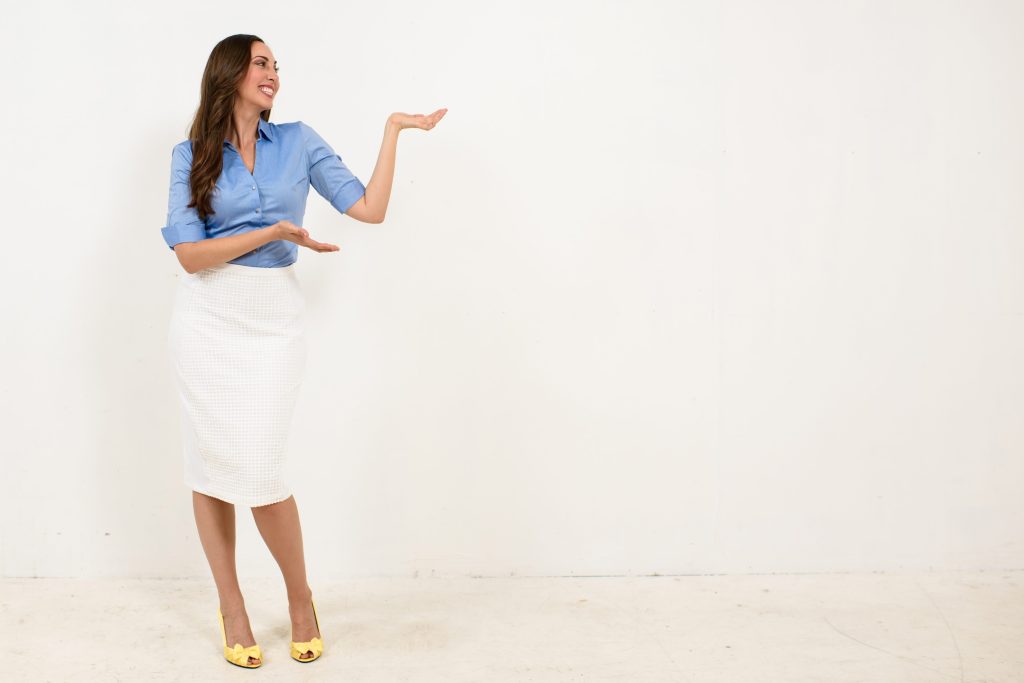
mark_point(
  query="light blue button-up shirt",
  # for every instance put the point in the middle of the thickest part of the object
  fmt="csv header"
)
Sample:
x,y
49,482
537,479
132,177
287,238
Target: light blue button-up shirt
x,y
289,158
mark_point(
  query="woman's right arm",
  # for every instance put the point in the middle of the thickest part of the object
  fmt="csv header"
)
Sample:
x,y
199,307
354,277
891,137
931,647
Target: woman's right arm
x,y
194,256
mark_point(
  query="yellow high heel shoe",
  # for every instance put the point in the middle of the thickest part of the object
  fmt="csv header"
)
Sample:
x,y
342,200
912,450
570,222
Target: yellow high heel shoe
x,y
238,655
316,646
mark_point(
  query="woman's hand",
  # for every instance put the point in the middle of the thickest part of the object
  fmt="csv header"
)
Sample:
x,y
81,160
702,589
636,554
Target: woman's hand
x,y
403,120
286,230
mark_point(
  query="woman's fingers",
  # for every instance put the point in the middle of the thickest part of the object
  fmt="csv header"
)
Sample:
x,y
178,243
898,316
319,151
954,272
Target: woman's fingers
x,y
320,246
435,117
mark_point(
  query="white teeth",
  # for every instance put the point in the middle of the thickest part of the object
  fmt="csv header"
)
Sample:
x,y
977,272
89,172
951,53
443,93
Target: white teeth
x,y
268,91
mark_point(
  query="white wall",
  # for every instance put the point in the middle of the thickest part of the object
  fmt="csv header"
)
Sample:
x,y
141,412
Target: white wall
x,y
672,288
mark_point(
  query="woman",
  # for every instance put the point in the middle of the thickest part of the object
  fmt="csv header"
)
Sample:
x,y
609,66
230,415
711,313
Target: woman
x,y
237,198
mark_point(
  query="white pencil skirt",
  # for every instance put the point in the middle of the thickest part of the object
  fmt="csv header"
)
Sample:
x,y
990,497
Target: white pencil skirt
x,y
238,352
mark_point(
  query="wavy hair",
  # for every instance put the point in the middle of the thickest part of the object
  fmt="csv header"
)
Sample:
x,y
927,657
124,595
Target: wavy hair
x,y
226,66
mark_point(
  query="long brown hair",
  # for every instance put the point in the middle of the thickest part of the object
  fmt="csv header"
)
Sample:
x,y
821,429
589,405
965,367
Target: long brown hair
x,y
227,64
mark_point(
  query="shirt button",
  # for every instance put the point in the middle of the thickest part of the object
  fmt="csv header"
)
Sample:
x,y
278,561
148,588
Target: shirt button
x,y
257,210
254,187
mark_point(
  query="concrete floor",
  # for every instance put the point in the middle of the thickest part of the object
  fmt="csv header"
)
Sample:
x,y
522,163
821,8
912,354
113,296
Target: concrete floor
x,y
834,628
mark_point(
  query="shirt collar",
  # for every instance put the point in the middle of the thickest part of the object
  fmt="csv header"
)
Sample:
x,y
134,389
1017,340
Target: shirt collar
x,y
263,128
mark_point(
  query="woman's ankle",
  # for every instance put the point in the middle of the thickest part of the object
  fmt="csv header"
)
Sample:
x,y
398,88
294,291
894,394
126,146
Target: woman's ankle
x,y
300,598
232,605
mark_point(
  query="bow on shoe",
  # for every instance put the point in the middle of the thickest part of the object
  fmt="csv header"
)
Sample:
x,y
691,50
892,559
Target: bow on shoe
x,y
301,648
240,655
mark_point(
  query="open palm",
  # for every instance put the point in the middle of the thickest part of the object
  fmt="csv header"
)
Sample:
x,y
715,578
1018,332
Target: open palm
x,y
426,122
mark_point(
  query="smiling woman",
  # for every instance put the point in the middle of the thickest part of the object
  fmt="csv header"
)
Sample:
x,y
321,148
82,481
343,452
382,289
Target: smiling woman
x,y
236,201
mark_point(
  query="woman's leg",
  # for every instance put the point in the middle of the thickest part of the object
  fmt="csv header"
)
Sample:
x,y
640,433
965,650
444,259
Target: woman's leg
x,y
215,520
279,525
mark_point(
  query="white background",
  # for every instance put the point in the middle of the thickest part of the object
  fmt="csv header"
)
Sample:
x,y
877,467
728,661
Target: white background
x,y
701,287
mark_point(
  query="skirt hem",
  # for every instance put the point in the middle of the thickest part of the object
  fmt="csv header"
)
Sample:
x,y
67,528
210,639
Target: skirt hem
x,y
235,500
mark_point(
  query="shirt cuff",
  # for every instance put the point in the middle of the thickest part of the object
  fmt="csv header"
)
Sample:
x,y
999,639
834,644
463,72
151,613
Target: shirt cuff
x,y
348,194
183,232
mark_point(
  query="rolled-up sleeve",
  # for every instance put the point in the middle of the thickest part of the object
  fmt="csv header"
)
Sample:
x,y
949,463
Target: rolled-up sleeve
x,y
328,174
183,222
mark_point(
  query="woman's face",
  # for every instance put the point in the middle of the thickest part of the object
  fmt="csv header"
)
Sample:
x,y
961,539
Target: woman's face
x,y
262,74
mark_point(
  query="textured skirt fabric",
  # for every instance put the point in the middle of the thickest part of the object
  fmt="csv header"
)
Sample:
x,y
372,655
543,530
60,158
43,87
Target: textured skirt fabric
x,y
238,352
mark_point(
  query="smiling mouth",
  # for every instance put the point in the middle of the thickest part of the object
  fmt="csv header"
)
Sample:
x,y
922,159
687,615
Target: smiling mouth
x,y
268,94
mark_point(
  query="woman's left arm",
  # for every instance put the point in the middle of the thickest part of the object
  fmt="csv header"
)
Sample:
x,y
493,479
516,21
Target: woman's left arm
x,y
373,205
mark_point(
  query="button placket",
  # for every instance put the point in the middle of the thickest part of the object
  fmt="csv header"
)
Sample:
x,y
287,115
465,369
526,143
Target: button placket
x,y
259,214
252,175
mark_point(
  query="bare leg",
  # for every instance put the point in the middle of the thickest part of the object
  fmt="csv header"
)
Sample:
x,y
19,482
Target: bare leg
x,y
279,525
215,520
